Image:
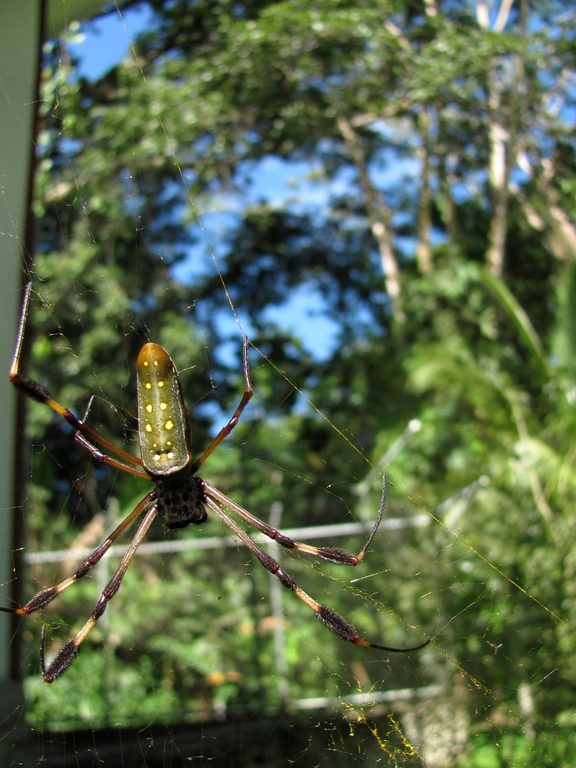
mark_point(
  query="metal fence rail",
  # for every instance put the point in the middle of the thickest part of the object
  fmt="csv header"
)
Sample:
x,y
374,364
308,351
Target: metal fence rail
x,y
337,530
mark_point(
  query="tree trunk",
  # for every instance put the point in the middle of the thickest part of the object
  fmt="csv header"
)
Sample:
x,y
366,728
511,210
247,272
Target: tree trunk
x,y
424,224
379,218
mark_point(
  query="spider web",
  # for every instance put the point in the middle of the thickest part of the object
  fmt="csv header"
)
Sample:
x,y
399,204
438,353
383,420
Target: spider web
x,y
274,691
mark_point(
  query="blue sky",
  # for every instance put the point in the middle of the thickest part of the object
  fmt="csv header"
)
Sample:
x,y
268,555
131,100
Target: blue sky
x,y
102,43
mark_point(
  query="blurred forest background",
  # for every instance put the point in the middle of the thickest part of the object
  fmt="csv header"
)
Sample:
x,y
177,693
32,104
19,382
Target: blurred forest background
x,y
425,152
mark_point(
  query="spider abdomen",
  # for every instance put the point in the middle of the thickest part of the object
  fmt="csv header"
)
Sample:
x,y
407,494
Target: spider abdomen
x,y
180,499
163,429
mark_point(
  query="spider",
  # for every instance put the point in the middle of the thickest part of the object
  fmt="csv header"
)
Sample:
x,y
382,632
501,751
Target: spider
x,y
178,494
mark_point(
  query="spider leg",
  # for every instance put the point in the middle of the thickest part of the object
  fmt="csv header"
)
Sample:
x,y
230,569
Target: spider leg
x,y
68,652
225,431
110,461
326,615
104,458
332,554
37,392
45,596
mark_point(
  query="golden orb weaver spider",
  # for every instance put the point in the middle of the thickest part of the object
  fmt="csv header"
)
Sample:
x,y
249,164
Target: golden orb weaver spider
x,y
178,494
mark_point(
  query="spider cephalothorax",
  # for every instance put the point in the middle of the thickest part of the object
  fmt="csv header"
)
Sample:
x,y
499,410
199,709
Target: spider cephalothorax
x,y
180,499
